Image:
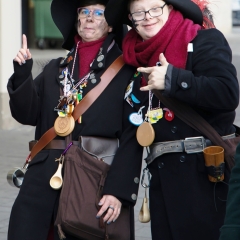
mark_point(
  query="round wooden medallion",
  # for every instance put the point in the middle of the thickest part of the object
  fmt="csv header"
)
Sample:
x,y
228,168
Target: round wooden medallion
x,y
145,134
64,125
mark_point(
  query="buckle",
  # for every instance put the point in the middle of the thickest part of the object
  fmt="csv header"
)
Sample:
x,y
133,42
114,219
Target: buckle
x,y
194,148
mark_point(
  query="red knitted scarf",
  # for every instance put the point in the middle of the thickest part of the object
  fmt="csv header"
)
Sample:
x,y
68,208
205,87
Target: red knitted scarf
x,y
87,51
172,40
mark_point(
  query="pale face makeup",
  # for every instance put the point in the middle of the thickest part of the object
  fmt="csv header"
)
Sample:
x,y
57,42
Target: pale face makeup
x,y
150,26
91,29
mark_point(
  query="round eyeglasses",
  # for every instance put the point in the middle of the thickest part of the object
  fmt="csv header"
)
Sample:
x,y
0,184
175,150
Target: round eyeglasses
x,y
153,12
96,13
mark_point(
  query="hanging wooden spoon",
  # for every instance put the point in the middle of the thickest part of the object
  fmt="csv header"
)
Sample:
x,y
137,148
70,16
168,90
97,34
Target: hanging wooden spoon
x,y
56,180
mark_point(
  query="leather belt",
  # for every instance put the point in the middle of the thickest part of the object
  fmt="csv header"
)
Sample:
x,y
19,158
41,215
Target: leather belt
x,y
54,144
188,145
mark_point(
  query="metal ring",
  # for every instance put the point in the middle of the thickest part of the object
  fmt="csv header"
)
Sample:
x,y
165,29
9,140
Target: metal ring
x,y
111,207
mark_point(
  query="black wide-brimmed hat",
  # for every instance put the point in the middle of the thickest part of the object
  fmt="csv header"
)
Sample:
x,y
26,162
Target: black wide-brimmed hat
x,y
64,14
188,8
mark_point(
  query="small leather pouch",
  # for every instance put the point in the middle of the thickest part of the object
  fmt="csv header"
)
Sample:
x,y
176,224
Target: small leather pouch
x,y
214,162
103,149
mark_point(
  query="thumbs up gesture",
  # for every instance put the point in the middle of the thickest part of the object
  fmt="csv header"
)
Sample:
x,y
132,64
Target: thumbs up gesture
x,y
24,53
156,78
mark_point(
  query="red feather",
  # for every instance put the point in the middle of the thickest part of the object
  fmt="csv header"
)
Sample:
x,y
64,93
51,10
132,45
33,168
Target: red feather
x,y
207,14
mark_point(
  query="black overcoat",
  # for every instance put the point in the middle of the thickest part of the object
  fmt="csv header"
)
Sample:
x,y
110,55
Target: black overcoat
x,y
231,228
33,103
184,204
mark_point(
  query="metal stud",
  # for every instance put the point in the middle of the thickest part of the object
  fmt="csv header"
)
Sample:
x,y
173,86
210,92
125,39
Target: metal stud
x,y
100,64
93,81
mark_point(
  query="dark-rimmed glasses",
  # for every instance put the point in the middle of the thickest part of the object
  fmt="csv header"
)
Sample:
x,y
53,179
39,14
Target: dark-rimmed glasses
x,y
96,13
153,12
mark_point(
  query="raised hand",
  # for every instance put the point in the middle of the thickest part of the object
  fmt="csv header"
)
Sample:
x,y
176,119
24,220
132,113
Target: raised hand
x,y
24,53
156,78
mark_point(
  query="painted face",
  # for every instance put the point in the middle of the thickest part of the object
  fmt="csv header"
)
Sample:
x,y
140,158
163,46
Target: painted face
x,y
152,21
92,28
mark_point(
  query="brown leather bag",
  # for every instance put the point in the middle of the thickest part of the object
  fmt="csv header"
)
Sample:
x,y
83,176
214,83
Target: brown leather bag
x,y
84,175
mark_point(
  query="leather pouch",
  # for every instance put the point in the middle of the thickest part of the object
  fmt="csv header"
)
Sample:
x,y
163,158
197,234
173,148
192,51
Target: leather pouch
x,y
103,149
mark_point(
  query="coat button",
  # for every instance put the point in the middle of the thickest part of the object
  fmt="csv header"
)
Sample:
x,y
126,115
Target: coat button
x,y
136,180
184,85
134,196
161,165
182,159
174,129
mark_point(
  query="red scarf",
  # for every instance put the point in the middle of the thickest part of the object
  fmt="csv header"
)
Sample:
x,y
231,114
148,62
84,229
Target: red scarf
x,y
87,51
172,40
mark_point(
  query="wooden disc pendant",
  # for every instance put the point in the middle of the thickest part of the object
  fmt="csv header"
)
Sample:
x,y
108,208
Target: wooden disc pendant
x,y
63,126
145,134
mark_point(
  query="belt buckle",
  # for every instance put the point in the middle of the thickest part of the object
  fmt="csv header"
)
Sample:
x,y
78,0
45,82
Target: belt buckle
x,y
203,144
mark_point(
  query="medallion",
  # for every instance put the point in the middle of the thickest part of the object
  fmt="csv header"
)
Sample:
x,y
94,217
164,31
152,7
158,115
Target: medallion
x,y
63,126
145,134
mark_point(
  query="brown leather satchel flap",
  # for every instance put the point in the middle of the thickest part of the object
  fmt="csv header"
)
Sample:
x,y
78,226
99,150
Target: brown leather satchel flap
x,y
102,148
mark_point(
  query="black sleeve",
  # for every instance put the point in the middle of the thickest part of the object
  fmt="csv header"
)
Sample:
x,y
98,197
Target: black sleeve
x,y
24,101
212,82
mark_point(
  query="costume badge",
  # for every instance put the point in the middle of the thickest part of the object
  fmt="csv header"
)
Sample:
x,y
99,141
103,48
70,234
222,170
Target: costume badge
x,y
154,115
129,90
136,118
134,99
169,115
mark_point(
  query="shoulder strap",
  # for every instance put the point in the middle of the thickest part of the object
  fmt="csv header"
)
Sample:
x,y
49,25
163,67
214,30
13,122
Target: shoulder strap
x,y
85,103
191,117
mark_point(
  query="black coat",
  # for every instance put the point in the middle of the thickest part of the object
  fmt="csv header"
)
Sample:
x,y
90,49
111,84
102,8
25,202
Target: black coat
x,y
231,228
33,102
184,204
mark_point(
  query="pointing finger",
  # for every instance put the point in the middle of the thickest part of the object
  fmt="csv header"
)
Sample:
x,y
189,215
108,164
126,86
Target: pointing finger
x,y
24,42
145,70
146,88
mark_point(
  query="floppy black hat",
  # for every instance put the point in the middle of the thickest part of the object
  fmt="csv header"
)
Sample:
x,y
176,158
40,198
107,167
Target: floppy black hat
x,y
188,8
64,14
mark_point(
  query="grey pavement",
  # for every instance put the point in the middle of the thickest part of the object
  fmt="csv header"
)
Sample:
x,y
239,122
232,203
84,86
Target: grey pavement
x,y
14,145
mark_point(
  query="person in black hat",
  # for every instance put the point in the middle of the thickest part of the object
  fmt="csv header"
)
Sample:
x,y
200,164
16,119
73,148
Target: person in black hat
x,y
188,61
88,29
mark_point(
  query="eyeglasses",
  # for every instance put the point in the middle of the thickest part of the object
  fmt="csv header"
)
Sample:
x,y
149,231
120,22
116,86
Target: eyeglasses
x,y
153,12
96,13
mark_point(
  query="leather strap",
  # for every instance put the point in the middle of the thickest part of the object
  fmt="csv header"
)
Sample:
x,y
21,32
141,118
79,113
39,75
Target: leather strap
x,y
54,144
85,103
189,145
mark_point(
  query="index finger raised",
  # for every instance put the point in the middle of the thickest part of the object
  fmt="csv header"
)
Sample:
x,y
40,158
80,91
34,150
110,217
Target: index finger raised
x,y
24,42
